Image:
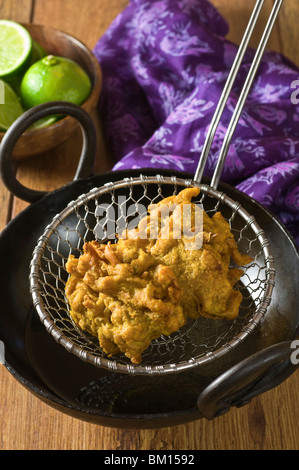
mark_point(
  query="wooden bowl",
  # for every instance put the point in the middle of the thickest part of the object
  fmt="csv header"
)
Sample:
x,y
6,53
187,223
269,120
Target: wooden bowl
x,y
37,141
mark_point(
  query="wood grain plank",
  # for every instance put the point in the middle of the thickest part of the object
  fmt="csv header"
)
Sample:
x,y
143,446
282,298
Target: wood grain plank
x,y
5,204
87,20
16,10
237,14
289,31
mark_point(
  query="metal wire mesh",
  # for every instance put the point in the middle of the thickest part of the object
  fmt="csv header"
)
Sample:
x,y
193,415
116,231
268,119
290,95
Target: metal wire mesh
x,y
93,216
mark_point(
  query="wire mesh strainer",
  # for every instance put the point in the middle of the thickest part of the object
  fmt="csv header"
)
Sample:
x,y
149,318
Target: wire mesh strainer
x,y
82,220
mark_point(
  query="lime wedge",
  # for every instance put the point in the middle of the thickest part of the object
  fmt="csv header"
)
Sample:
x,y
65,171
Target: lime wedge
x,y
10,106
44,122
15,48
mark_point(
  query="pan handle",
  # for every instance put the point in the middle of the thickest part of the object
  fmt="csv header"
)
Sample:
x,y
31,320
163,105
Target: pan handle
x,y
87,158
257,374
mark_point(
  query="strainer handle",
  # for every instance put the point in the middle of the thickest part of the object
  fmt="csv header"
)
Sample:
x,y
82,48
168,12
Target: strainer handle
x,y
86,163
243,96
257,374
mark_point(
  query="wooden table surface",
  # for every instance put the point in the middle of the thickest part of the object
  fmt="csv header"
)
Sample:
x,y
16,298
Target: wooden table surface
x,y
270,421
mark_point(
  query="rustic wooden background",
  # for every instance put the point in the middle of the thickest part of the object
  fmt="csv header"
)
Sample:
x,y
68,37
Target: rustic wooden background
x,y
270,421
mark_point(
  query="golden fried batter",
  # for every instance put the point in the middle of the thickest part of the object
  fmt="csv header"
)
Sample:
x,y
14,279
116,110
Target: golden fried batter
x,y
142,287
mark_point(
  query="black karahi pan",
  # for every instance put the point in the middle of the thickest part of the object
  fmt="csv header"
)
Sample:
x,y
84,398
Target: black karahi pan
x,y
96,395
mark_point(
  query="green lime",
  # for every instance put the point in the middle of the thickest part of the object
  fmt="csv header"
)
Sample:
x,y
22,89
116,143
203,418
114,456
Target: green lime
x,y
44,122
15,48
38,52
10,106
55,79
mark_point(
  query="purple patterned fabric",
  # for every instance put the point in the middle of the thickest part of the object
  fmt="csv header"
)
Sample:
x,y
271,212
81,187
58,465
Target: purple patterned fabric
x,y
164,66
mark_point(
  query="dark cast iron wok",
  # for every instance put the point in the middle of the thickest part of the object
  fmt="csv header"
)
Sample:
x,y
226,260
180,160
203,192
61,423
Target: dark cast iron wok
x,y
85,392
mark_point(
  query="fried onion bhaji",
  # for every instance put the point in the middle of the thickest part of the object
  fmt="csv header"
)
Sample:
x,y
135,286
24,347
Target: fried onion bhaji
x,y
141,287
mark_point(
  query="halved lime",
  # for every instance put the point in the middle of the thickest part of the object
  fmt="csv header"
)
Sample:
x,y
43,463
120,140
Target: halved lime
x,y
15,48
10,106
37,54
